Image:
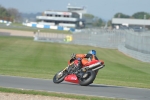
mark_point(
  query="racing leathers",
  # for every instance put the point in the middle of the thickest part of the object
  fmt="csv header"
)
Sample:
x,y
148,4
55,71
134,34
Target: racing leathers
x,y
84,59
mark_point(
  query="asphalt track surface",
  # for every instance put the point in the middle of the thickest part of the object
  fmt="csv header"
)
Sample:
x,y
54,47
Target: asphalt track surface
x,y
65,87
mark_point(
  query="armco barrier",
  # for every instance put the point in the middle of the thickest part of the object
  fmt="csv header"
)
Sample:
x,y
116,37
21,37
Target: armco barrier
x,y
36,25
134,54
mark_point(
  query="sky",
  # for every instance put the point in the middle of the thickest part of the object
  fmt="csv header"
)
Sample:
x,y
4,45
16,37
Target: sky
x,y
104,9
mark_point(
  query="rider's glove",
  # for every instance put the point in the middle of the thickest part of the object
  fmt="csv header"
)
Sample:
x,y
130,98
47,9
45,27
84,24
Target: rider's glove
x,y
73,56
78,59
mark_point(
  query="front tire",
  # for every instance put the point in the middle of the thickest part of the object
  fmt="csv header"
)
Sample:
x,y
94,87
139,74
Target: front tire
x,y
59,77
89,79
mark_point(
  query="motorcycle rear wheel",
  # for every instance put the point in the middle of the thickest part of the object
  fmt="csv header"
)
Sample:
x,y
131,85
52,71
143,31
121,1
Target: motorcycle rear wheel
x,y
89,79
59,77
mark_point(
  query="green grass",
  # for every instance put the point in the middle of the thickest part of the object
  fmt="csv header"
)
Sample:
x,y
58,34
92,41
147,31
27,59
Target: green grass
x,y
21,56
52,94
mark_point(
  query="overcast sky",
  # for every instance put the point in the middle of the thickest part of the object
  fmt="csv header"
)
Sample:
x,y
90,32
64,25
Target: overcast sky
x,y
102,8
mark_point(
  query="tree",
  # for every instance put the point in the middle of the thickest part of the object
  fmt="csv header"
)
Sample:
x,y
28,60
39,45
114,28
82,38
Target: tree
x,y
10,14
93,21
88,16
109,23
4,14
15,15
141,15
98,22
121,15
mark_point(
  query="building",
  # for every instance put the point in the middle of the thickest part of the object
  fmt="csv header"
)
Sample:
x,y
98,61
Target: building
x,y
119,23
71,18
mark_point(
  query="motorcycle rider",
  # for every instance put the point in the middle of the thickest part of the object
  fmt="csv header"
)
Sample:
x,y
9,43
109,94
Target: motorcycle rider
x,y
85,59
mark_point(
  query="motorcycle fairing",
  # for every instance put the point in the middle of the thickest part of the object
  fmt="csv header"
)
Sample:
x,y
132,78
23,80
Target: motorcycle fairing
x,y
92,62
71,78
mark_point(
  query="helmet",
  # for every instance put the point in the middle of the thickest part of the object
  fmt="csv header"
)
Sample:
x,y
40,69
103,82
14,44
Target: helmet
x,y
92,52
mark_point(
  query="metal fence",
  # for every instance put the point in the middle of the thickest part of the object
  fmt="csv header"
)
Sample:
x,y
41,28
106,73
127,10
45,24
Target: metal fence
x,y
99,38
50,37
135,44
138,42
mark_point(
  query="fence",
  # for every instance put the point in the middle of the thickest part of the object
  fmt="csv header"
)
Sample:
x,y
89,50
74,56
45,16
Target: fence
x,y
52,37
99,38
137,45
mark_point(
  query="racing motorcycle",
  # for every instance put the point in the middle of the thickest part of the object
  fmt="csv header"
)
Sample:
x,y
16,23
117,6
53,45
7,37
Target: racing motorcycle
x,y
83,76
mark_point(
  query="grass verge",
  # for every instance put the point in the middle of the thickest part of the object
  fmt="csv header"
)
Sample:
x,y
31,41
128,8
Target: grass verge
x,y
52,94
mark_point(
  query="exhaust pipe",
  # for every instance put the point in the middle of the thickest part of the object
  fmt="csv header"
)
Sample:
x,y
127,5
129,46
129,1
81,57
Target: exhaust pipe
x,y
98,68
96,65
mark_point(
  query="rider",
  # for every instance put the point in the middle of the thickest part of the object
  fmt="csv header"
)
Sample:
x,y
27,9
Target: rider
x,y
84,59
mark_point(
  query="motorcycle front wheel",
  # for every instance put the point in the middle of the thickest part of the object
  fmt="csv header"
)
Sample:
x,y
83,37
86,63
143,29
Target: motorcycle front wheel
x,y
59,77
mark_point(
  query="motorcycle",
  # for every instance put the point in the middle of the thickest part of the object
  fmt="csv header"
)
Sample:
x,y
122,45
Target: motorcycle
x,y
83,76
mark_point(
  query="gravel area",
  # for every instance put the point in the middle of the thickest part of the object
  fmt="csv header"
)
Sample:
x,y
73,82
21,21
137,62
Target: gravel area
x,y
16,32
13,96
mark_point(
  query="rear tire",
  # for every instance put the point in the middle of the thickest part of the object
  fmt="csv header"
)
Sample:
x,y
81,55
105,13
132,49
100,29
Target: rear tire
x,y
59,79
89,79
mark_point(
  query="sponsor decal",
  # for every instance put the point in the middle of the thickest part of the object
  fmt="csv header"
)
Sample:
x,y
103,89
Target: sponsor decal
x,y
73,78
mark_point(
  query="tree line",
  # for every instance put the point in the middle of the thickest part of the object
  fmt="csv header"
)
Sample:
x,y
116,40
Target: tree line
x,y
95,21
10,14
138,15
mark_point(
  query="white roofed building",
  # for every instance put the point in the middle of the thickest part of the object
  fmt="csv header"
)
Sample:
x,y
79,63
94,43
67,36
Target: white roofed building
x,y
71,18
